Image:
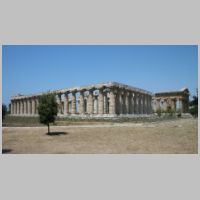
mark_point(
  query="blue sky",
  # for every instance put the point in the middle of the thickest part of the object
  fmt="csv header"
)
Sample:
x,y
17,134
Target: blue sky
x,y
30,69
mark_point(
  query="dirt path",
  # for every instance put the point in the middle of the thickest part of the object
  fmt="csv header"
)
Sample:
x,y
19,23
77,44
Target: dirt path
x,y
179,136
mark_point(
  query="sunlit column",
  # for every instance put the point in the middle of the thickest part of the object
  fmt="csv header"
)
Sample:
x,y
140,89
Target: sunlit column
x,y
66,103
90,102
101,102
127,105
73,102
112,108
81,107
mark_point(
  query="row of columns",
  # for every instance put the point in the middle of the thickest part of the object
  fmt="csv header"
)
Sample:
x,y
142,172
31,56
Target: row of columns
x,y
174,103
24,106
108,102
112,101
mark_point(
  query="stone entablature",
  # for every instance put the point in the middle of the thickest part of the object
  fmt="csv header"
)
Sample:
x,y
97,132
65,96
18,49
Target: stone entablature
x,y
176,100
109,99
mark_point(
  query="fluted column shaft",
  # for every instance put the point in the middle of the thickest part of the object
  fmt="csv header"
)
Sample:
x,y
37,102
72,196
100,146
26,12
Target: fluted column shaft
x,y
120,102
101,102
73,102
36,105
140,103
81,108
18,107
127,103
105,103
29,106
112,108
90,102
135,100
66,104
11,108
33,106
25,106
144,104
15,107
59,103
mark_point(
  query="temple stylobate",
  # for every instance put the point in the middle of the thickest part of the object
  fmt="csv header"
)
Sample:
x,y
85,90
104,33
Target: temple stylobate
x,y
106,99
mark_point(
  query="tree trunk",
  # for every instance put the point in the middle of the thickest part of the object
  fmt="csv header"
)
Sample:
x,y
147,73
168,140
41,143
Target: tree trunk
x,y
48,129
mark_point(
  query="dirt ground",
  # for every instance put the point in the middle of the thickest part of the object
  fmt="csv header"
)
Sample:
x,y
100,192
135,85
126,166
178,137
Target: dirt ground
x,y
166,137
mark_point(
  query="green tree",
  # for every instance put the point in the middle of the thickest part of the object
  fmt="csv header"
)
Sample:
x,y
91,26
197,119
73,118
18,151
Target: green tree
x,y
47,109
194,105
4,111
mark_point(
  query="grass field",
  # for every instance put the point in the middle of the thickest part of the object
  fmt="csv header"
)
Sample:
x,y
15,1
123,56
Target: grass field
x,y
178,136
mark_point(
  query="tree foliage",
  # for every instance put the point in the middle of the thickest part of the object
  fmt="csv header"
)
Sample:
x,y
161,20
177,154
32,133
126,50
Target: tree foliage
x,y
4,111
47,109
194,105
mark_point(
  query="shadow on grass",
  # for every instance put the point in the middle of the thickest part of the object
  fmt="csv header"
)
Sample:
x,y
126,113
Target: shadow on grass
x,y
56,133
6,151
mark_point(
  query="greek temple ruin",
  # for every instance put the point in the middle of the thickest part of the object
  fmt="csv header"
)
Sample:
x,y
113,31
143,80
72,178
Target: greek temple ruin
x,y
176,100
102,100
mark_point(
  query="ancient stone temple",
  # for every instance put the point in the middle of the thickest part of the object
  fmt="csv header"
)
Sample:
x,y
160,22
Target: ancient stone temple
x,y
176,100
106,99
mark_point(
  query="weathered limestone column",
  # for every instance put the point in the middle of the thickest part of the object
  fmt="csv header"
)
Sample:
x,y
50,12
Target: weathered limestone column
x,y
181,105
131,103
101,102
15,107
135,106
120,102
18,107
58,99
21,107
148,104
139,103
25,106
66,104
105,103
29,106
144,104
33,105
11,110
127,105
90,102
73,102
36,106
112,108
81,107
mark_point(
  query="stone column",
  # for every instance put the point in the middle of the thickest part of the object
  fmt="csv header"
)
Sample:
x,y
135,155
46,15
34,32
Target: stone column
x,y
135,106
181,105
144,103
105,103
148,104
58,99
29,106
66,103
101,102
90,102
18,107
11,108
25,106
15,107
112,108
81,107
33,105
73,102
127,105
120,102
131,103
21,107
36,106
139,103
